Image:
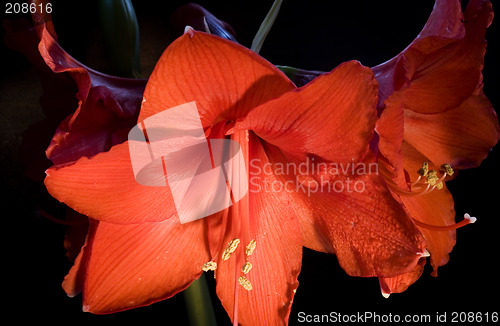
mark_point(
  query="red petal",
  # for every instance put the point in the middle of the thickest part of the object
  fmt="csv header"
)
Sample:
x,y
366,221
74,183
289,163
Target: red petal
x,y
108,106
225,79
444,26
370,233
276,259
135,265
73,282
434,91
368,230
332,117
442,66
445,21
400,283
443,77
461,137
435,208
104,188
391,127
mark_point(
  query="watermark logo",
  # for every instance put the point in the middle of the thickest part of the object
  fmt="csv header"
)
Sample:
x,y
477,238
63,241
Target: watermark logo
x,y
204,176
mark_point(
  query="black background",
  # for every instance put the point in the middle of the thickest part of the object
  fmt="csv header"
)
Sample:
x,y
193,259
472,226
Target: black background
x,y
316,35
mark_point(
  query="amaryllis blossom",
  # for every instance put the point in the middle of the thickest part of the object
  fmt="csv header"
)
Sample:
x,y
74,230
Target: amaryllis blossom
x,y
434,121
137,253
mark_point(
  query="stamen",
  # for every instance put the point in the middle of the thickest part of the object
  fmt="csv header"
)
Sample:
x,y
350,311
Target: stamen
x,y
250,247
424,169
432,177
246,268
210,266
416,181
427,180
231,247
446,168
245,283
467,220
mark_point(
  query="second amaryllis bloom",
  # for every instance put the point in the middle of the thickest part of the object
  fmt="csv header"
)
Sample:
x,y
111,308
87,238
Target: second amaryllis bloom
x,y
434,121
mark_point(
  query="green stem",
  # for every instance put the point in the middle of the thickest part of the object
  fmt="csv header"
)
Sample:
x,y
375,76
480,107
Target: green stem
x,y
199,304
265,27
121,36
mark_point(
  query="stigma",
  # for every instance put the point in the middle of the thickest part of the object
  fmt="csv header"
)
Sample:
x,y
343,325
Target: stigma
x,y
466,221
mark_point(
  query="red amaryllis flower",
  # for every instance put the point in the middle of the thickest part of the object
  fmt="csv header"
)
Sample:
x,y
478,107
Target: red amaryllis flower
x,y
435,119
135,253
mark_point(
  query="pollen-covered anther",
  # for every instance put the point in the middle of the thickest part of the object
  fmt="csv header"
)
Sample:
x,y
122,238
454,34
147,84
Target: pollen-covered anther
x,y
245,283
246,268
432,178
210,266
250,247
231,247
426,182
424,169
446,168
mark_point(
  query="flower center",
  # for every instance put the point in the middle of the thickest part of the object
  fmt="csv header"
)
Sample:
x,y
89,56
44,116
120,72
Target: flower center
x,y
427,181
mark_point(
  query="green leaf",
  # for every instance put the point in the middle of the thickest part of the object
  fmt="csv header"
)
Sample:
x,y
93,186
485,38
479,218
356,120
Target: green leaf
x,y
300,77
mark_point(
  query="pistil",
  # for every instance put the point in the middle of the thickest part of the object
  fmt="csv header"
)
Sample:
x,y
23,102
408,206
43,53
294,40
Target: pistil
x,y
467,220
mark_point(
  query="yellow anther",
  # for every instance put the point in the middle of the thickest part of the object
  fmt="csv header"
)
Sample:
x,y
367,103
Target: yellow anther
x,y
210,266
250,247
432,177
246,268
424,169
231,247
439,185
245,283
446,168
